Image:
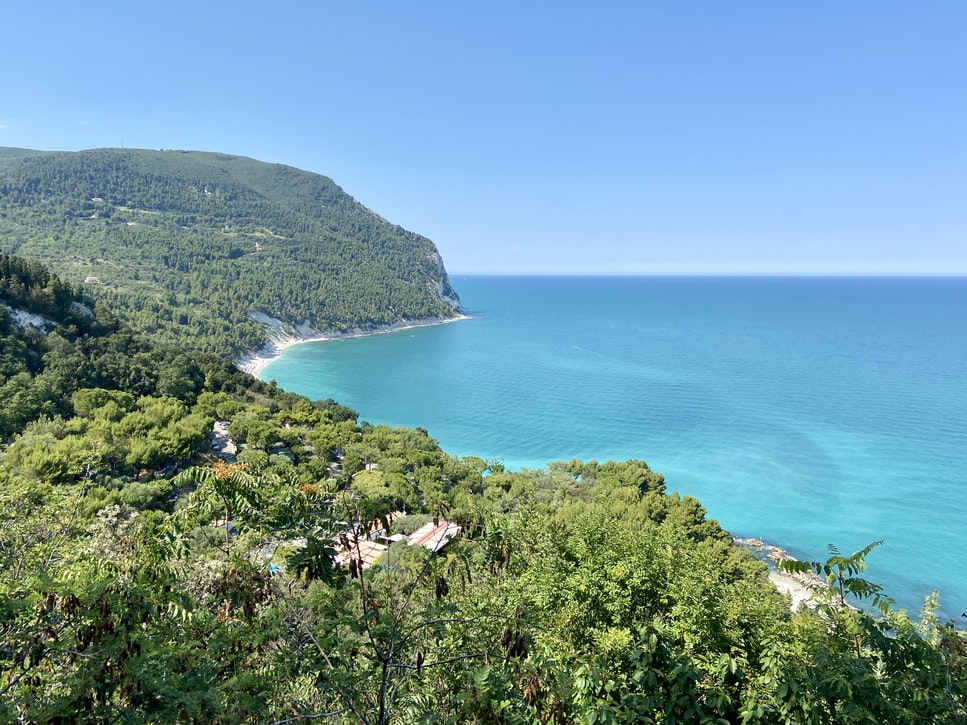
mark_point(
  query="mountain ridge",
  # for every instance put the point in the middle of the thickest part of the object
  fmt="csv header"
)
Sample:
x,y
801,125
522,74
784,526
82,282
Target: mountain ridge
x,y
187,245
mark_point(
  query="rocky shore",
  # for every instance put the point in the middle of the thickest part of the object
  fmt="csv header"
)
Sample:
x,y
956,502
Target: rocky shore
x,y
803,588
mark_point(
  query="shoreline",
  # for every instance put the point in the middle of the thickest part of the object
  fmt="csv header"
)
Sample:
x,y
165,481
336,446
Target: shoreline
x,y
255,363
802,589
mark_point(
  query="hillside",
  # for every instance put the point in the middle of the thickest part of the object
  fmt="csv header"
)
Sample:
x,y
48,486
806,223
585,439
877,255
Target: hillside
x,y
180,542
186,245
54,343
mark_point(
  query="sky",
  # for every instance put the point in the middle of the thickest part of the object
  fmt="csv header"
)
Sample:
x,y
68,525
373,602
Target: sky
x,y
565,137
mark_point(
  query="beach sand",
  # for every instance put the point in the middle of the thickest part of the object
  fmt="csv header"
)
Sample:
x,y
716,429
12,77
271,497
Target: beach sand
x,y
799,593
802,589
256,363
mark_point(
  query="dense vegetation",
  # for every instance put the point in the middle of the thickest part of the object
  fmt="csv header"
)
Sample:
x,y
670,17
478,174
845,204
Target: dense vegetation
x,y
73,344
145,577
185,245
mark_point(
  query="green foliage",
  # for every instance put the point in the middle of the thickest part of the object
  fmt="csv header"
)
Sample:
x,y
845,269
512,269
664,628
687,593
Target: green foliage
x,y
106,439
80,350
185,245
840,573
577,593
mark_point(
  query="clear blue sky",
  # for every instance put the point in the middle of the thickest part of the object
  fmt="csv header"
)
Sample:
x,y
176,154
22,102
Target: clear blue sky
x,y
557,137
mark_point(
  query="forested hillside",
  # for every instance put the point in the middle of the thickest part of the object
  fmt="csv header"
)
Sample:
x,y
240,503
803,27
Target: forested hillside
x,y
54,342
181,543
185,245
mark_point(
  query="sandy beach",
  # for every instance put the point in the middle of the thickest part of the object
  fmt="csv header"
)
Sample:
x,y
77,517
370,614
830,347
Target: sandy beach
x,y
802,588
256,363
799,594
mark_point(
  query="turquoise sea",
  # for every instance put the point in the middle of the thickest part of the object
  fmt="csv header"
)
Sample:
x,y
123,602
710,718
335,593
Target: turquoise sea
x,y
804,411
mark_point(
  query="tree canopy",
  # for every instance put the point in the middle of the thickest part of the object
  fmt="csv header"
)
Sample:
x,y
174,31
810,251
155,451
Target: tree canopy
x,y
180,542
186,246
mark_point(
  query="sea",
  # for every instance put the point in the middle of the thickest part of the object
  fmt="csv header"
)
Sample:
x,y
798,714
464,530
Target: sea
x,y
806,412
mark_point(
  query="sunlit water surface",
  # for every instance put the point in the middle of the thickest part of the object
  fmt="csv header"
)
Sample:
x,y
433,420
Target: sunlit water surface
x,y
802,411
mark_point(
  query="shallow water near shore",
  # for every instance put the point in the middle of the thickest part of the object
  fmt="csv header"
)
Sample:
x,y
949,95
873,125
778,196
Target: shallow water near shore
x,y
802,411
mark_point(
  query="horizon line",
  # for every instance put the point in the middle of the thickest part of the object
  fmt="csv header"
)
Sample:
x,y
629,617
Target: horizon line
x,y
816,275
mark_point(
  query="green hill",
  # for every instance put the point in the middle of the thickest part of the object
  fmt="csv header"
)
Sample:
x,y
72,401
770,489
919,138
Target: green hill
x,y
188,245
183,543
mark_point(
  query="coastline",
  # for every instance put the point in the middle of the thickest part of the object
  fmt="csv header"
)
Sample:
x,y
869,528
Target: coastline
x,y
802,589
279,341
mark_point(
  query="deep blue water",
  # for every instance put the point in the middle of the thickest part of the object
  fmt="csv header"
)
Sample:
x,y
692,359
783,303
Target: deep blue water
x,y
805,411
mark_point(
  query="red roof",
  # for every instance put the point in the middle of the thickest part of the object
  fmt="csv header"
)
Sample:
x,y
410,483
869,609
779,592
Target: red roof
x,y
433,536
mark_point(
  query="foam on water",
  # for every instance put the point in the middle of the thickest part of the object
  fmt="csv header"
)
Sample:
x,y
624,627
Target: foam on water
x,y
802,411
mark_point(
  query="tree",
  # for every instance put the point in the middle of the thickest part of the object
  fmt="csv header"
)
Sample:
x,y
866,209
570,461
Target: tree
x,y
870,668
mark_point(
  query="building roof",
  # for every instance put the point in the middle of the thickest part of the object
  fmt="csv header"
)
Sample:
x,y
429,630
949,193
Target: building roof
x,y
363,551
434,536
